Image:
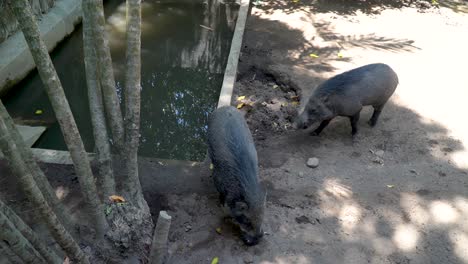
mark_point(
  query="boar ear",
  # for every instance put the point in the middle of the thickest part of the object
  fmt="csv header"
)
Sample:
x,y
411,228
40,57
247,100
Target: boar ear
x,y
241,206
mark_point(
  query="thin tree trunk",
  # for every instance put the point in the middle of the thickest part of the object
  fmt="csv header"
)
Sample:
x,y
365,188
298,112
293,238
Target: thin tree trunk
x,y
10,255
39,177
17,242
35,196
109,91
101,138
30,235
161,231
132,186
56,95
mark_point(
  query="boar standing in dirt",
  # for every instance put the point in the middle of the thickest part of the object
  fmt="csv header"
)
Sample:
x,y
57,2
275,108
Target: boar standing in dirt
x,y
345,94
235,171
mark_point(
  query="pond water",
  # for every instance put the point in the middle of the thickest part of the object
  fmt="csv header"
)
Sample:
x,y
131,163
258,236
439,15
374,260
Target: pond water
x,y
185,47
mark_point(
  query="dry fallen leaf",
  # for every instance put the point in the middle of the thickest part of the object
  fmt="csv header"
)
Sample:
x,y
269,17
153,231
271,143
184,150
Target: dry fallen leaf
x,y
241,98
313,55
205,27
295,97
38,112
215,260
295,103
211,166
218,230
117,198
340,55
239,106
390,186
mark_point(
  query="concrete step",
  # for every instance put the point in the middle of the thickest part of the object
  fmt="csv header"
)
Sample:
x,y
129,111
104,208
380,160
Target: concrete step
x,y
30,134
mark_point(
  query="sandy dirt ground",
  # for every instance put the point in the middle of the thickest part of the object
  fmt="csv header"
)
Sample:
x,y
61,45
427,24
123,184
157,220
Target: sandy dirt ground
x,y
397,194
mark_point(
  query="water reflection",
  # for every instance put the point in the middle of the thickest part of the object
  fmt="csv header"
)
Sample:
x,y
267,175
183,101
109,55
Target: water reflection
x,y
184,52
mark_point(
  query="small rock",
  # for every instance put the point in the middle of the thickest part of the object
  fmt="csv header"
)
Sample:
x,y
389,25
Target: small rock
x,y
188,227
87,250
414,172
301,174
378,161
248,259
313,162
379,153
274,101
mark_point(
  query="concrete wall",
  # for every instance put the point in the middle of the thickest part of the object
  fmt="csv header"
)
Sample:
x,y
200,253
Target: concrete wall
x,y
15,59
9,25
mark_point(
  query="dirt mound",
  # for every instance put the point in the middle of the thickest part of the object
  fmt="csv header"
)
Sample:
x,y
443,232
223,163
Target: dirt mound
x,y
268,99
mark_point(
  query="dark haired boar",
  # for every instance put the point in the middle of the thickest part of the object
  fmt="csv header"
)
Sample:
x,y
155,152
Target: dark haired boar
x,y
345,94
235,171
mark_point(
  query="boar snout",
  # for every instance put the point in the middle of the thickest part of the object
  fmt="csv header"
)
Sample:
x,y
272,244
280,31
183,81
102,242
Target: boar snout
x,y
251,240
301,122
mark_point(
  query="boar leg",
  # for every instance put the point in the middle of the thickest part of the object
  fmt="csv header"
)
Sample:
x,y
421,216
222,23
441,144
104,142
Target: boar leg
x,y
375,116
354,120
319,129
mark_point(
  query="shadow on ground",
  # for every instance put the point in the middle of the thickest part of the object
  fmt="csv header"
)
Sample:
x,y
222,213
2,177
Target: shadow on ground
x,y
344,7
407,204
277,71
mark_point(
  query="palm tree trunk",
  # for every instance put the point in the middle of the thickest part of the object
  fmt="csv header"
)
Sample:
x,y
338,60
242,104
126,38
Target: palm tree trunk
x,y
54,90
106,175
132,186
18,243
109,91
35,196
30,235
40,178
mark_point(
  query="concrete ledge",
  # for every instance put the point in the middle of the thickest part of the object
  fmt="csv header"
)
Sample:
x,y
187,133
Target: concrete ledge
x,y
15,59
159,176
55,156
236,45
